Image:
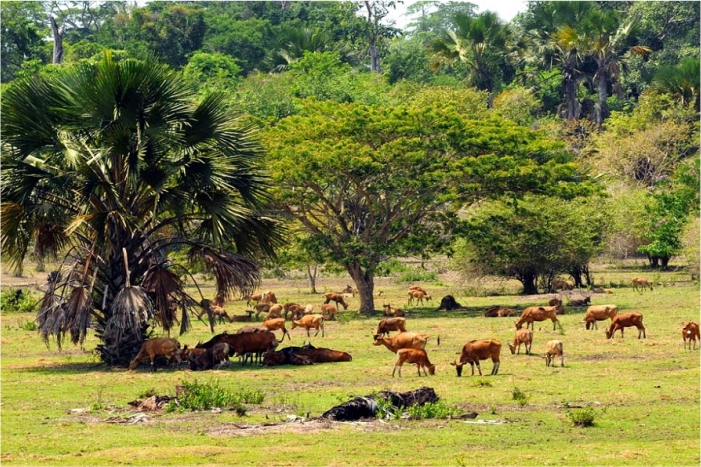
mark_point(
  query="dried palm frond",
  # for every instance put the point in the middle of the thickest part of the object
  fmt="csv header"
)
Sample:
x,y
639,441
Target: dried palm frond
x,y
234,274
166,288
130,308
78,310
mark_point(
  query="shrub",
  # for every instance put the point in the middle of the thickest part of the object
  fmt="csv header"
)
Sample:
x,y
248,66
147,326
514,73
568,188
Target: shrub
x,y
417,275
17,301
204,396
519,396
432,410
582,417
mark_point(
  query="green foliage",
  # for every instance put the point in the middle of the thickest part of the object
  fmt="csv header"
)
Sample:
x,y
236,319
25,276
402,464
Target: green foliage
x,y
518,105
583,417
29,326
146,393
417,275
17,301
208,73
483,383
530,240
432,410
675,200
691,240
204,396
519,396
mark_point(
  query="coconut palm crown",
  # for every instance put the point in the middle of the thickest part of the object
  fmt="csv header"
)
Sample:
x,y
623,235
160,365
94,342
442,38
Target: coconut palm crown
x,y
117,168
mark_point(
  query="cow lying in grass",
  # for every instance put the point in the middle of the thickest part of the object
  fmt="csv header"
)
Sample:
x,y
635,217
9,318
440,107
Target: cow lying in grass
x,y
305,355
217,355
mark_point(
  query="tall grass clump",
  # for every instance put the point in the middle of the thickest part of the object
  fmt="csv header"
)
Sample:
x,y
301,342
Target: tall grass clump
x,y
582,417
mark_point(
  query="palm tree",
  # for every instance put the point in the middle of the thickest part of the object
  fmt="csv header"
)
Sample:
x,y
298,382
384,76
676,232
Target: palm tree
x,y
116,166
602,37
479,42
681,81
295,43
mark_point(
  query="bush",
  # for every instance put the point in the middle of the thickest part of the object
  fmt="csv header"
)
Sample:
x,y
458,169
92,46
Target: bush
x,y
519,396
582,417
432,410
204,396
17,301
417,275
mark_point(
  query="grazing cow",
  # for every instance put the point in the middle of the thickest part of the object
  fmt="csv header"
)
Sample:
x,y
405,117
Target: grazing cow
x,y
244,343
402,340
390,324
329,312
417,356
599,313
626,320
690,332
522,336
539,313
554,349
158,347
335,297
477,350
640,284
310,321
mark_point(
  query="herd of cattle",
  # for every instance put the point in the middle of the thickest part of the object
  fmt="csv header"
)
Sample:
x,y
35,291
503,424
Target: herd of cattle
x,y
260,343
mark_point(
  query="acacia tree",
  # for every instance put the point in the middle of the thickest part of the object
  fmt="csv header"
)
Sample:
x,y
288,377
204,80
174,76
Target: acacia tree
x,y
115,165
372,183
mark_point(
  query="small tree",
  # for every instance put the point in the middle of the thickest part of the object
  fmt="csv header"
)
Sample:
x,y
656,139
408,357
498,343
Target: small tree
x,y
531,240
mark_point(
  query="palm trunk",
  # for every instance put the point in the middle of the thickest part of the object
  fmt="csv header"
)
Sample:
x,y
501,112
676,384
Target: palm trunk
x,y
572,107
58,42
602,111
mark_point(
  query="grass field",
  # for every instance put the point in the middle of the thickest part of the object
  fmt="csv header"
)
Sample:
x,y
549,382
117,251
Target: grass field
x,y
645,393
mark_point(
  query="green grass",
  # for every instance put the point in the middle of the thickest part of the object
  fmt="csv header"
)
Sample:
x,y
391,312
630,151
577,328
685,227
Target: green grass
x,y
645,394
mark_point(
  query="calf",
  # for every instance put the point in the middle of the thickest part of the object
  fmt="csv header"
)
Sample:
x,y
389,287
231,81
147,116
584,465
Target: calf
x,y
158,347
523,336
477,350
498,311
417,296
690,332
218,354
626,320
417,356
277,324
293,308
599,313
390,324
329,312
554,349
335,297
310,321
275,311
640,284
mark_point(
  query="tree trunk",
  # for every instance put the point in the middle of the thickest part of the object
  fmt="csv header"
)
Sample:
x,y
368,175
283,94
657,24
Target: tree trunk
x,y
601,110
665,262
58,42
572,107
311,272
374,59
529,283
365,282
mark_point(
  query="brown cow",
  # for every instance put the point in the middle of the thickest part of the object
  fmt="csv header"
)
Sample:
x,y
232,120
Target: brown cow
x,y
390,324
417,356
690,332
626,320
477,350
335,297
539,313
158,347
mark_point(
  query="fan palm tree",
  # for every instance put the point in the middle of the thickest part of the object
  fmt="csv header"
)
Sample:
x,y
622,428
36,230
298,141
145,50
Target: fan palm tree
x,y
116,166
681,81
295,43
478,41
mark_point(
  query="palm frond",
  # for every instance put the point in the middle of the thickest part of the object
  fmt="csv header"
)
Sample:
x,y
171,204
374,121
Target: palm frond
x,y
234,274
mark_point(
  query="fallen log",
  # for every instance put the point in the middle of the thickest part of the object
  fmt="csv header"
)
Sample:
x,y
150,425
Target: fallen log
x,y
366,407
